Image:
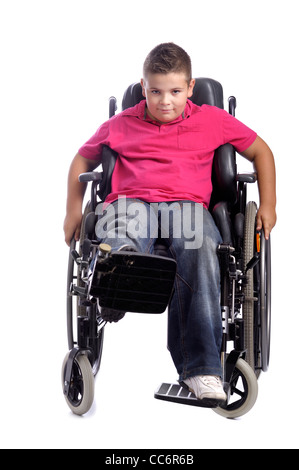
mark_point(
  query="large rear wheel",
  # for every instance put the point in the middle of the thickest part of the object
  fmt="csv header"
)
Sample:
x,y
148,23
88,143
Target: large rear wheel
x,y
257,304
248,306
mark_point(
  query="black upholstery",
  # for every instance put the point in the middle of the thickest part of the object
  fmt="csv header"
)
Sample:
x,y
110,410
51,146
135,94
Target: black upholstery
x,y
223,221
132,96
207,91
224,175
109,157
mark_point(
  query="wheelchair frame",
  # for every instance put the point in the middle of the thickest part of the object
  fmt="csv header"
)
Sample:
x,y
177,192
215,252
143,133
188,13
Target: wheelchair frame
x,y
245,262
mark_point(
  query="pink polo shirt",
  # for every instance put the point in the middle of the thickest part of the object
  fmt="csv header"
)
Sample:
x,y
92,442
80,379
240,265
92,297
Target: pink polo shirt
x,y
166,162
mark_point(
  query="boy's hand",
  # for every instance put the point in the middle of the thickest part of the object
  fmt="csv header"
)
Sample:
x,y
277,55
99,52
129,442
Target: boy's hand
x,y
266,219
72,226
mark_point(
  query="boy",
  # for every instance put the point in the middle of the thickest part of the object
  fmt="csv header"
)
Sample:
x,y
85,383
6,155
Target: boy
x,y
165,147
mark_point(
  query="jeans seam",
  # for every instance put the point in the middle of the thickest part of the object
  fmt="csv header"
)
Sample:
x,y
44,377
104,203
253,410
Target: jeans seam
x,y
184,352
172,252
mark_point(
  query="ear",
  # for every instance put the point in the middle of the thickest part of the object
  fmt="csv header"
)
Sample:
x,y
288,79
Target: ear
x,y
143,87
190,88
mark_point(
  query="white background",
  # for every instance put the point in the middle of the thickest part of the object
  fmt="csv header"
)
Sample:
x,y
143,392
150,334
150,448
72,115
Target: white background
x,y
60,61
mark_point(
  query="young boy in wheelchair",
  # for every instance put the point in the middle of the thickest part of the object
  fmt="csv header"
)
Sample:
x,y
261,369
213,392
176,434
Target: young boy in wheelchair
x,y
165,146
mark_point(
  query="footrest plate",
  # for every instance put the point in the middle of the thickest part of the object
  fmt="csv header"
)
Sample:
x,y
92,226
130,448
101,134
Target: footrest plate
x,y
134,282
178,394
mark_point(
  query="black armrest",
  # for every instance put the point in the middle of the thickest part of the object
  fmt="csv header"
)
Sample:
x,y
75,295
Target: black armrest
x,y
247,177
90,176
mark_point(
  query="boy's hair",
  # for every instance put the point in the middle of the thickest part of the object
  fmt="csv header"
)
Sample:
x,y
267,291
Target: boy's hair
x,y
166,58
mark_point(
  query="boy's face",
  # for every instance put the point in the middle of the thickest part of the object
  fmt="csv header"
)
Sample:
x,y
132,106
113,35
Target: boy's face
x,y
166,95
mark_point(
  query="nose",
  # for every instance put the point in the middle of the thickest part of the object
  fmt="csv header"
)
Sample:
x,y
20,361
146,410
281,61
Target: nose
x,y
165,99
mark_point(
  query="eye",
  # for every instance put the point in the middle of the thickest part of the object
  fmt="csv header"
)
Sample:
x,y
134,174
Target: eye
x,y
176,92
155,92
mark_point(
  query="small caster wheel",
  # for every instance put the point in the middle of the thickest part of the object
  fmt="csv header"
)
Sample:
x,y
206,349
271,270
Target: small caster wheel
x,y
81,391
242,393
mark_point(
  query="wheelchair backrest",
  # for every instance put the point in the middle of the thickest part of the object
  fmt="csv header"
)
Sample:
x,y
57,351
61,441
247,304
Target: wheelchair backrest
x,y
206,91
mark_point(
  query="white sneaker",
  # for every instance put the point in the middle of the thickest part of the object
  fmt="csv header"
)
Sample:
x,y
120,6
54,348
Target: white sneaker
x,y
206,387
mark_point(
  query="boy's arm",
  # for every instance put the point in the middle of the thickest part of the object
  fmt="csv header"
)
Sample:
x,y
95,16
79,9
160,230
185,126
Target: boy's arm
x,y
75,195
262,158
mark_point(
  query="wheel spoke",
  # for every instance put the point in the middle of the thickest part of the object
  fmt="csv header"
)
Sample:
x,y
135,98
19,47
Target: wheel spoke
x,y
239,392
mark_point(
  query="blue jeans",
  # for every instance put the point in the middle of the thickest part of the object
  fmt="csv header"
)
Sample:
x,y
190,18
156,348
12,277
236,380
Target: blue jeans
x,y
194,317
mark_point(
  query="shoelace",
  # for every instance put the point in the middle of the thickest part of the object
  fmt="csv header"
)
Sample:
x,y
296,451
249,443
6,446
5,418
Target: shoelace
x,y
210,380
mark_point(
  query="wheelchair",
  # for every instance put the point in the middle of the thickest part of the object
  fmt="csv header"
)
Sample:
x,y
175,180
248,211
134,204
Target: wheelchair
x,y
129,281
